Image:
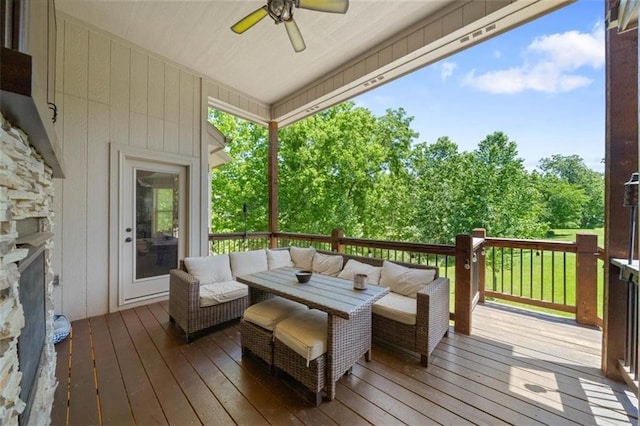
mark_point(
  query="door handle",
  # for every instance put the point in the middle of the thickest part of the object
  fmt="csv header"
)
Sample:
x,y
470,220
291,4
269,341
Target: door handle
x,y
127,240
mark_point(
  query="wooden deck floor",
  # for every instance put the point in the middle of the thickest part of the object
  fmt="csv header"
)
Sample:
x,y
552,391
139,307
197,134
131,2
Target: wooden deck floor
x,y
133,367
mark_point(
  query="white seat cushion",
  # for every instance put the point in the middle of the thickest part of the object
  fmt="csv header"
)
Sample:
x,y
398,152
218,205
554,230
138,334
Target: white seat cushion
x,y
327,264
354,267
403,280
278,259
248,262
216,293
270,312
397,307
302,257
305,333
209,269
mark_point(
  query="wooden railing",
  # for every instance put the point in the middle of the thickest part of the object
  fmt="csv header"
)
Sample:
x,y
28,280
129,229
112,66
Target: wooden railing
x,y
556,275
531,272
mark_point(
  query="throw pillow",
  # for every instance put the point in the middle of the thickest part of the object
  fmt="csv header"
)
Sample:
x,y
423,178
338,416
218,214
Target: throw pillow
x,y
278,258
303,257
248,262
327,264
354,267
209,269
403,280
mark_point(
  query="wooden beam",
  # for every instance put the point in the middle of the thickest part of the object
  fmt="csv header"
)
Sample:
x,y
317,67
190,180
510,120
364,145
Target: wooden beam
x,y
587,279
463,296
272,177
482,262
621,155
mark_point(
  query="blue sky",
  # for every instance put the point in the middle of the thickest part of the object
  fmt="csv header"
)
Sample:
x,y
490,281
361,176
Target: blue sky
x,y
542,84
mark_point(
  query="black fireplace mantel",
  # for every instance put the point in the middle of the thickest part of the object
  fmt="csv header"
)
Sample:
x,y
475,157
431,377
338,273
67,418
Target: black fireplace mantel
x,y
20,108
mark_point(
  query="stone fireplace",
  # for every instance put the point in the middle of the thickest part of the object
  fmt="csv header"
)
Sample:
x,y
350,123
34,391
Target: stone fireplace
x,y
27,354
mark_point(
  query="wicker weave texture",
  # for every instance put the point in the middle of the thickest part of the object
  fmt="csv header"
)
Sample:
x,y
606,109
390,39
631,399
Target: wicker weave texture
x,y
432,321
184,305
258,340
287,360
347,341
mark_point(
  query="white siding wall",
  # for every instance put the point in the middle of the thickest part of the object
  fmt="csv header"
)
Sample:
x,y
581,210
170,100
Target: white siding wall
x,y
107,91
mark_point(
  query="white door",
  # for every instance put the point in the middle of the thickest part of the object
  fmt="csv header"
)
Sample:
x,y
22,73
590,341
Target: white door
x,y
153,227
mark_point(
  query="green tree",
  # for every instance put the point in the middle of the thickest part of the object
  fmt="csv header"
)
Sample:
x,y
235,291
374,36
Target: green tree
x,y
498,194
438,172
572,171
243,180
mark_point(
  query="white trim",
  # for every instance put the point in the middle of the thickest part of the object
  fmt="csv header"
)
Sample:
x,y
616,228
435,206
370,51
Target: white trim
x,y
117,155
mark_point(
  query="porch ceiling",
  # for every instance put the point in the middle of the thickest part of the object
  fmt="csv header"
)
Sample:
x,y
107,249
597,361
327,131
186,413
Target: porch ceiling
x,y
257,75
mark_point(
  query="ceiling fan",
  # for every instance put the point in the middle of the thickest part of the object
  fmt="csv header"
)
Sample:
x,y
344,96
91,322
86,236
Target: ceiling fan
x,y
282,11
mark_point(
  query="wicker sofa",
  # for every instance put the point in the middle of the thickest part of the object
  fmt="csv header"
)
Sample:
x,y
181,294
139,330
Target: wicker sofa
x,y
418,330
431,313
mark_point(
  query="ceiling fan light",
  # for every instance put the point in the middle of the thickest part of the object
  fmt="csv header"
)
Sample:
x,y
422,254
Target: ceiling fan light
x,y
280,10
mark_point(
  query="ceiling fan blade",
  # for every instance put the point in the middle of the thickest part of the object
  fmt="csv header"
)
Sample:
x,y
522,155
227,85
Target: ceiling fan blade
x,y
250,20
333,6
294,35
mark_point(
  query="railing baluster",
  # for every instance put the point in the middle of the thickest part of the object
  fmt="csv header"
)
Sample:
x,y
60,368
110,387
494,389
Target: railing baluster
x,y
531,273
564,275
511,270
553,276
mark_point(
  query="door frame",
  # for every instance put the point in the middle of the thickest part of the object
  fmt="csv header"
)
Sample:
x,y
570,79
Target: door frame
x,y
118,154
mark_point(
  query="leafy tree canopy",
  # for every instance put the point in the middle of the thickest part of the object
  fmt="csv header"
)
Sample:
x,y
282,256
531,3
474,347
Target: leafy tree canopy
x,y
346,168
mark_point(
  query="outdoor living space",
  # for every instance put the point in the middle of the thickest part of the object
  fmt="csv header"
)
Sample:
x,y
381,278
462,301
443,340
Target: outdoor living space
x,y
516,367
106,157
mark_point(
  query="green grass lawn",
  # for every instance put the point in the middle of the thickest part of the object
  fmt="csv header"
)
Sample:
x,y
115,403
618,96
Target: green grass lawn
x,y
538,275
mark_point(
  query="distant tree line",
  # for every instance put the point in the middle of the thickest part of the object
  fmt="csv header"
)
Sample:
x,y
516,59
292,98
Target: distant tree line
x,y
346,168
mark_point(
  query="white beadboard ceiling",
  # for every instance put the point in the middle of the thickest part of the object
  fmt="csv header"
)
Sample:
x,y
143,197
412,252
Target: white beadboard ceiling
x,y
261,66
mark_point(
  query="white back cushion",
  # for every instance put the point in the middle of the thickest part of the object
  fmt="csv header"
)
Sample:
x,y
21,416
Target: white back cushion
x,y
248,262
354,267
209,269
303,257
327,264
278,258
403,280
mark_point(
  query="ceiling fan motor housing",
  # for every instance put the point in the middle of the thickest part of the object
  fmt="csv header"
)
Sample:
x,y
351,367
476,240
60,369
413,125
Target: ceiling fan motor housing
x,y
280,10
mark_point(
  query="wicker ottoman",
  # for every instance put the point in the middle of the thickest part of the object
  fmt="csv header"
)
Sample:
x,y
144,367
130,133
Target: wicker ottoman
x,y
258,322
300,349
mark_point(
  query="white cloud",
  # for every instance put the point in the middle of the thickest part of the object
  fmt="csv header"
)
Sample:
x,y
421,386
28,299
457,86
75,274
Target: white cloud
x,y
447,69
552,63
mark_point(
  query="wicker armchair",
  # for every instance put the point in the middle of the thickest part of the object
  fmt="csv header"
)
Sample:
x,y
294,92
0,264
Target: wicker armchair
x,y
184,305
432,322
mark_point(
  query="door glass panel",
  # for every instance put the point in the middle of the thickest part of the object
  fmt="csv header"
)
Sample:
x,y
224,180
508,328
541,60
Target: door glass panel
x,y
156,229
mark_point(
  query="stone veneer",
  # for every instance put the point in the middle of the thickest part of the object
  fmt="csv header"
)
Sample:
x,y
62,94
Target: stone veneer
x,y
26,191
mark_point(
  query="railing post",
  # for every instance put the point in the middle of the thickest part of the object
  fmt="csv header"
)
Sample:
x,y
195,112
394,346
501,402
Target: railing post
x,y
587,279
463,302
336,235
481,256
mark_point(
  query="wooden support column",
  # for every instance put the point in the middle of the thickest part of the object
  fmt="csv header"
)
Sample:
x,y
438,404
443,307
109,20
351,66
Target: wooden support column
x,y
336,235
463,302
272,179
481,264
587,279
621,159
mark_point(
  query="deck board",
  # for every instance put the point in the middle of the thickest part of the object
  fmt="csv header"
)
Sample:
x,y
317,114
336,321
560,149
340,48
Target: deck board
x,y
133,367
